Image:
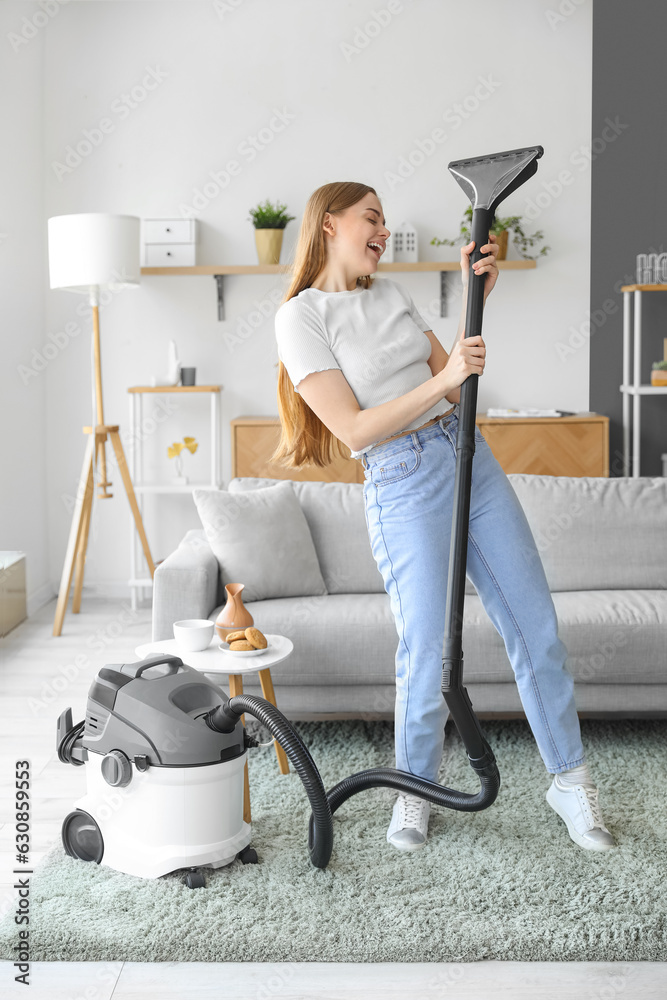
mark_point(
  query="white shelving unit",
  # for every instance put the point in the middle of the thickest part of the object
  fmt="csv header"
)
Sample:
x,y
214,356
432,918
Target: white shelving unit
x,y
631,387
141,488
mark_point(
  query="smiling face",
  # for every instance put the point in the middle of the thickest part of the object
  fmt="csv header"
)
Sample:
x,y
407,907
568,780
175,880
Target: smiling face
x,y
356,238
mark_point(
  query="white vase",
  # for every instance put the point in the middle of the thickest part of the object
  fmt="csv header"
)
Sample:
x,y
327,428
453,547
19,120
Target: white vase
x,y
174,365
179,479
173,375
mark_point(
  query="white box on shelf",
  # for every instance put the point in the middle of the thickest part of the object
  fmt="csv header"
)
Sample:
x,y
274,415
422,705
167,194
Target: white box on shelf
x,y
168,242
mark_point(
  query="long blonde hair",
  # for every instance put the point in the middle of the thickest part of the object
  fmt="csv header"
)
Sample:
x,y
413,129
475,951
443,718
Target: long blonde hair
x,y
304,439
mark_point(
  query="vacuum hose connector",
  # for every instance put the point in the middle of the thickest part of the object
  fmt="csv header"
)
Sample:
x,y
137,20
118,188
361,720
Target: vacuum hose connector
x,y
222,719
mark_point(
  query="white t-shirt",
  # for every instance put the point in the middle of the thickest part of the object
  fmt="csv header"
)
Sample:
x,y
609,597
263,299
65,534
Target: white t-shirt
x,y
375,336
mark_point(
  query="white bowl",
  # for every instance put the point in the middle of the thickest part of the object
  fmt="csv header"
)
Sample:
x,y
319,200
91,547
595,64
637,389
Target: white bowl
x,y
193,634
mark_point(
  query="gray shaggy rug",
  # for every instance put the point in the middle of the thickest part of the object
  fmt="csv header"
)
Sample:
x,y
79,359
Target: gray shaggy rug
x,y
506,883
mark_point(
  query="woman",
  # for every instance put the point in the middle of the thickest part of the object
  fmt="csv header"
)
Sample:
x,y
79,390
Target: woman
x,y
358,364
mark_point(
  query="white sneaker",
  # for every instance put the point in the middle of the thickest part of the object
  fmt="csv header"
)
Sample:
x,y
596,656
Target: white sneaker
x,y
409,822
578,805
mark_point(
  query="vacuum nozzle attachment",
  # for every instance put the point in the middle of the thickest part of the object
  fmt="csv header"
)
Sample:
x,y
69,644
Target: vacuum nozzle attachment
x,y
488,179
222,719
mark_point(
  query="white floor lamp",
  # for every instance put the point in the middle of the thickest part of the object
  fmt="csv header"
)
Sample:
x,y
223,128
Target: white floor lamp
x,y
87,252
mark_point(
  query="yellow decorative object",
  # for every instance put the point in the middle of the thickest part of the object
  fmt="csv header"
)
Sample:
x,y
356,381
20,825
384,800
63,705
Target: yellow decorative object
x,y
174,451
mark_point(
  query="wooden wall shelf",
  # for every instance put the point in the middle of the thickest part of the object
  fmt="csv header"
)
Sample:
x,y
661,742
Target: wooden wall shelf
x,y
644,288
422,265
174,388
220,270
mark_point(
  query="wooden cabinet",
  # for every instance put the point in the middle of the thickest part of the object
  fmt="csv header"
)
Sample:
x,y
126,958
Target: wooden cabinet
x,y
548,446
254,439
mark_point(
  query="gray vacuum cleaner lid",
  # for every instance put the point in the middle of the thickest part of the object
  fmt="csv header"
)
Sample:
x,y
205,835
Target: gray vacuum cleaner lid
x,y
155,708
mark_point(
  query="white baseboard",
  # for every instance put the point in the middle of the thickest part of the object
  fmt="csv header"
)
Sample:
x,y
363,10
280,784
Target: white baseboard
x,y
39,598
104,590
112,589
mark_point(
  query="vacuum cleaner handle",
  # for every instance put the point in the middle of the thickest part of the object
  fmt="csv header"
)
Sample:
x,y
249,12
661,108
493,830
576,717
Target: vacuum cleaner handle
x,y
137,669
482,221
465,449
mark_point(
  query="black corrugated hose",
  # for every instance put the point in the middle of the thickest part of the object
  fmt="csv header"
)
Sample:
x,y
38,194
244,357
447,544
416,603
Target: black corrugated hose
x,y
320,830
224,718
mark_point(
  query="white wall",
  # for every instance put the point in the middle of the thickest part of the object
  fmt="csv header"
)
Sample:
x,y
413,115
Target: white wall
x,y
357,105
24,479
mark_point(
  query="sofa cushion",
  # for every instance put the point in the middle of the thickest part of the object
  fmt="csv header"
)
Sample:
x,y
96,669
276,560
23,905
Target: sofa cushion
x,y
337,521
261,539
595,533
614,636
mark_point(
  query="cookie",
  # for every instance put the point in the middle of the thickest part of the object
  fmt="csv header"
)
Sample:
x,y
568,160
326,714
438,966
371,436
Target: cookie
x,y
257,638
238,633
241,644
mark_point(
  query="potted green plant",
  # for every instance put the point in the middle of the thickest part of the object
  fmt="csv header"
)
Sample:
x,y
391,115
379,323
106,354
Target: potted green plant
x,y
659,372
501,227
269,222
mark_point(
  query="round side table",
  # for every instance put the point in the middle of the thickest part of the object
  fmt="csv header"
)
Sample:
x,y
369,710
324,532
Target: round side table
x,y
214,661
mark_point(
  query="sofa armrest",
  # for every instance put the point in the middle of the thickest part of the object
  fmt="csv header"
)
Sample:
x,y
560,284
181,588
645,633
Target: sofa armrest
x,y
185,584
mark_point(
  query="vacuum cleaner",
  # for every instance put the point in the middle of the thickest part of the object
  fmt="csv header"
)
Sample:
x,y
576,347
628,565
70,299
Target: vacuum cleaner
x,y
165,748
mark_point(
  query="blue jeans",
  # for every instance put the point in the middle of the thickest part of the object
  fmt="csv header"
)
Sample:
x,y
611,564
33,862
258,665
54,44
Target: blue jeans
x,y
408,497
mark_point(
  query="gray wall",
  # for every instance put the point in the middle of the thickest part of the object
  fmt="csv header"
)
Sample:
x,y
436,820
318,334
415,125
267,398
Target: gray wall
x,y
628,207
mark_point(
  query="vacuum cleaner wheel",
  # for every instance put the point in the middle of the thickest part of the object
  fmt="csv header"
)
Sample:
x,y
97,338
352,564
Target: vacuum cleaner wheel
x,y
248,856
82,837
195,879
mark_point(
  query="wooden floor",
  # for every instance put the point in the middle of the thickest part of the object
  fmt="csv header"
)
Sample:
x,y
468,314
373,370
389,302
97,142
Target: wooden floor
x,y
39,676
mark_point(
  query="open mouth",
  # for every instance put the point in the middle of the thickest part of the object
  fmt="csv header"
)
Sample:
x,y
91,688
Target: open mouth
x,y
375,248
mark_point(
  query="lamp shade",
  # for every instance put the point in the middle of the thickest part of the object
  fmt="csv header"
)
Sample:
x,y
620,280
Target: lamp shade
x,y
94,248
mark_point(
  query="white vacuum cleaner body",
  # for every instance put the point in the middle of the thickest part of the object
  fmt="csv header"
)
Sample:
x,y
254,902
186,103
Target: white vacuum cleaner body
x,y
164,790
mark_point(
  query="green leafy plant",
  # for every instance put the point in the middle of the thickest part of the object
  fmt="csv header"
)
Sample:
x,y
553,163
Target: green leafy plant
x,y
268,216
511,222
660,366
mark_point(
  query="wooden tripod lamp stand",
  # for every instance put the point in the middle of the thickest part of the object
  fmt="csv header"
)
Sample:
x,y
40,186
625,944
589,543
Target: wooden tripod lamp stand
x,y
87,252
